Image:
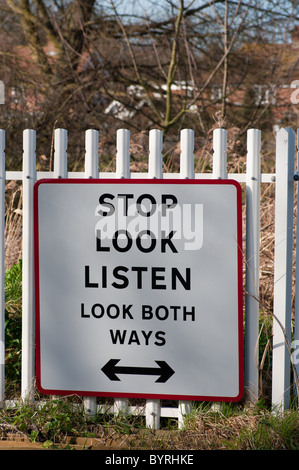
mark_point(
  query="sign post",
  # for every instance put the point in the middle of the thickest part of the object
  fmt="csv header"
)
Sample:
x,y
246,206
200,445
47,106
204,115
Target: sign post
x,y
139,288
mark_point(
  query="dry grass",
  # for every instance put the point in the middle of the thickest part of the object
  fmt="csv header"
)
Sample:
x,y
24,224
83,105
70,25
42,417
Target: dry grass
x,y
209,431
13,223
58,424
206,430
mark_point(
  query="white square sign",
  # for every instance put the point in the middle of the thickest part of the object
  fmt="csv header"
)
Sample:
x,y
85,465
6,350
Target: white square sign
x,y
139,288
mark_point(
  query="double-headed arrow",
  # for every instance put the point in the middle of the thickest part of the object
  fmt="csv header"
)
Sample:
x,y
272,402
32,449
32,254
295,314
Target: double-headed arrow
x,y
164,371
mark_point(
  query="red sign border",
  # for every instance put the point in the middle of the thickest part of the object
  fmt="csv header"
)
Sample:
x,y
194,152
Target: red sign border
x,y
240,286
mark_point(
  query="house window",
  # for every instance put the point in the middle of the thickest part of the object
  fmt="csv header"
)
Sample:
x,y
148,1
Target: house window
x,y
264,94
216,93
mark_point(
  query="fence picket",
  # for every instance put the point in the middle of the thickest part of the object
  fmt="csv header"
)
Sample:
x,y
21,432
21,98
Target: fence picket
x,y
219,154
155,154
187,172
60,153
123,153
219,172
253,180
28,334
153,407
284,208
296,328
2,265
91,167
122,171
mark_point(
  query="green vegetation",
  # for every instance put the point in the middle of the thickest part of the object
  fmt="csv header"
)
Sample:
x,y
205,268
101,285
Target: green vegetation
x,y
60,422
13,325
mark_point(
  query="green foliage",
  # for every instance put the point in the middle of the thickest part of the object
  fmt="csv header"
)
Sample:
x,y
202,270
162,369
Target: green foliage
x,y
47,422
58,423
13,324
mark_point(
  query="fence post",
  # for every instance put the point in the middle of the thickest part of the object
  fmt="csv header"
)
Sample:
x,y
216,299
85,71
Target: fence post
x,y
2,265
296,328
28,335
91,153
253,180
284,206
60,153
153,406
155,154
187,154
123,153
219,155
91,171
122,171
186,172
219,172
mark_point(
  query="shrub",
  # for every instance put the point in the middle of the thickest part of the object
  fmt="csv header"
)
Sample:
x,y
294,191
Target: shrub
x,y
13,324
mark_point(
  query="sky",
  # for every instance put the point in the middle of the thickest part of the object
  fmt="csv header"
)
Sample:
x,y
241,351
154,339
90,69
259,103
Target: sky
x,y
287,10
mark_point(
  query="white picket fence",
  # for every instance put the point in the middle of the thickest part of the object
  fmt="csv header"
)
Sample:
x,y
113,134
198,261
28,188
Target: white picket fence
x,y
284,178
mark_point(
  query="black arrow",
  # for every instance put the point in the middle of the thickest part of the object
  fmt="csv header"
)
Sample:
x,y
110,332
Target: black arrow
x,y
164,370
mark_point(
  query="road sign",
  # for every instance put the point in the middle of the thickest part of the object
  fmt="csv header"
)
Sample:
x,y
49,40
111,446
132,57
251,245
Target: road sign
x,y
139,288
